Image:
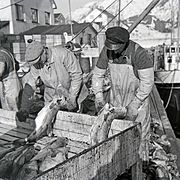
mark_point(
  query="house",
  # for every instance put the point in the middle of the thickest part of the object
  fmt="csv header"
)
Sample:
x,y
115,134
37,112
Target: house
x,y
59,19
18,16
101,17
83,34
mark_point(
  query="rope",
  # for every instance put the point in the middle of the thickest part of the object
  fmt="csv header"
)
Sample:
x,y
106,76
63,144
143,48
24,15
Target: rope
x,y
170,94
93,20
110,20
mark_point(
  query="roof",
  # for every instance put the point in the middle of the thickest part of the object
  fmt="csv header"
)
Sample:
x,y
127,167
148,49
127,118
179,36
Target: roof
x,y
58,29
106,12
53,4
3,24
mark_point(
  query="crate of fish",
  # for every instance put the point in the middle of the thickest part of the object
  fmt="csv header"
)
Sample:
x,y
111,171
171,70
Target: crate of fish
x,y
79,147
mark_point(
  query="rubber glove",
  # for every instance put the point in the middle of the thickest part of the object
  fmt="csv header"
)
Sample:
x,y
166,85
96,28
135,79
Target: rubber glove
x,y
132,109
99,101
22,115
71,103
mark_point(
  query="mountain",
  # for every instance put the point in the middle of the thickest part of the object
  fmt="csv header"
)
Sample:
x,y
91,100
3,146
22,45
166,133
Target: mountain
x,y
157,24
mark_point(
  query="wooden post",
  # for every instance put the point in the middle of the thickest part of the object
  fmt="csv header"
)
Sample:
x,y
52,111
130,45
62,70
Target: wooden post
x,y
143,15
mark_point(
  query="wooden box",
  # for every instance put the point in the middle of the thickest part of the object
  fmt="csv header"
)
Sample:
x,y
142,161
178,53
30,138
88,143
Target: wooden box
x,y
104,161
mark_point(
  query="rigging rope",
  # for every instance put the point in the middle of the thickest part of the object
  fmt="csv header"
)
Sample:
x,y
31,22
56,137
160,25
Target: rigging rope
x,y
98,16
109,21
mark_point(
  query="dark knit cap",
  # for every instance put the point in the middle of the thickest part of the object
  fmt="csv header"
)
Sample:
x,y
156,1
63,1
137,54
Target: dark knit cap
x,y
115,37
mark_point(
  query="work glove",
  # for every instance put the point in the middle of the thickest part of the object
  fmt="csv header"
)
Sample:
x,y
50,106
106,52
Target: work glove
x,y
71,103
99,101
22,115
118,112
132,109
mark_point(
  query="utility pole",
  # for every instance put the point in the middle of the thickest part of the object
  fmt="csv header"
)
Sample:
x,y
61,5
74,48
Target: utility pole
x,y
70,18
119,13
172,21
178,37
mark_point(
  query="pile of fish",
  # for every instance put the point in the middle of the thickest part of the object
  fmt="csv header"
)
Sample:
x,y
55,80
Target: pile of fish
x,y
24,159
162,163
26,162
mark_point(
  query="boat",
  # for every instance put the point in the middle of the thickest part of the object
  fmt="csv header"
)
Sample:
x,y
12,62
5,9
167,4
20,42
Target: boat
x,y
167,76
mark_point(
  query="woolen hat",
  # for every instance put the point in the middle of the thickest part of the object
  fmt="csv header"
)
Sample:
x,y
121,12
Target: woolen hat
x,y
33,51
115,37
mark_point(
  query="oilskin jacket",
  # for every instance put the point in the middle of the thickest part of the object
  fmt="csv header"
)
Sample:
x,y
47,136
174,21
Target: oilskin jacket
x,y
132,78
10,86
62,69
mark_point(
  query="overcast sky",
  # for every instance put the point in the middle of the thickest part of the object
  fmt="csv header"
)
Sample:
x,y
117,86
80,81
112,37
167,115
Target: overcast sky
x,y
63,7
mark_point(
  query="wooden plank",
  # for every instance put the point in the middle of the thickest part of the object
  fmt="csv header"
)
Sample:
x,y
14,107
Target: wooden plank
x,y
104,161
9,118
16,129
87,120
71,135
12,133
168,131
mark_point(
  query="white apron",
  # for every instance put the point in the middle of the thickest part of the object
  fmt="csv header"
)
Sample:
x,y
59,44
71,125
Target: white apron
x,y
124,86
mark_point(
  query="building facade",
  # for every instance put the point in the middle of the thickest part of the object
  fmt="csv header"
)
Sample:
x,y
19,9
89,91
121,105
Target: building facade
x,y
102,17
25,14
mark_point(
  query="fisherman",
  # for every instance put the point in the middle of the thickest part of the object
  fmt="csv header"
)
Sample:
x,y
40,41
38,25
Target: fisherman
x,y
132,79
56,67
10,86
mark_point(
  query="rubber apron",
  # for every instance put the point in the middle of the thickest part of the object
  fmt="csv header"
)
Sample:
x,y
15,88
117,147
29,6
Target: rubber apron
x,y
123,90
10,88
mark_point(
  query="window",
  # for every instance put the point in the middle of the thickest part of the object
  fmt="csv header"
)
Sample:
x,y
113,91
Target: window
x,y
81,41
19,12
89,37
47,18
34,15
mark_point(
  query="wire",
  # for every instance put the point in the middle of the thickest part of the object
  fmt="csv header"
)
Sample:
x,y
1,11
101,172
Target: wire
x,y
10,5
110,20
170,94
93,20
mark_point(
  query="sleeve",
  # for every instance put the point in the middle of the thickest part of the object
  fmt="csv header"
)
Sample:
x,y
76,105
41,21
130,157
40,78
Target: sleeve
x,y
142,60
102,62
2,69
145,71
26,100
146,77
97,82
73,67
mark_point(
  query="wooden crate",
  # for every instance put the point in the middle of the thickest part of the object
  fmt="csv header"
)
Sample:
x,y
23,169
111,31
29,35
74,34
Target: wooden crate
x,y
104,161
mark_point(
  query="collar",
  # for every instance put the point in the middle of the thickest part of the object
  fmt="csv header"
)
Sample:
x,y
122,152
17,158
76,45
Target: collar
x,y
50,60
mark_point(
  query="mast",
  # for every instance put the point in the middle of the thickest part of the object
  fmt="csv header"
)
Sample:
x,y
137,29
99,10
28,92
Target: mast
x,y
119,13
172,21
178,36
143,15
70,18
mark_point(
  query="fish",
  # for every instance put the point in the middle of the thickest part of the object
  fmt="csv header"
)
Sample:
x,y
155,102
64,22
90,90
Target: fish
x,y
6,163
101,126
43,122
5,151
44,119
28,171
24,157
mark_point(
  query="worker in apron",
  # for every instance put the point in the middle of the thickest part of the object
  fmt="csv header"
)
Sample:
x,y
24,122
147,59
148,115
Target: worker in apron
x,y
57,67
132,79
10,86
